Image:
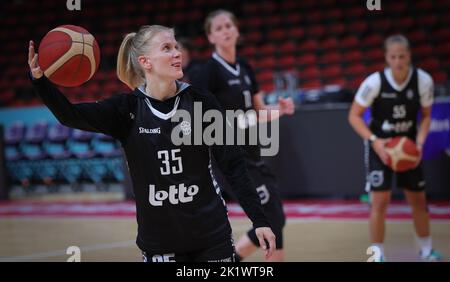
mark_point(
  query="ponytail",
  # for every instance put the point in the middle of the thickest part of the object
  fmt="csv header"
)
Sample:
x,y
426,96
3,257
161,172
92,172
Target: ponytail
x,y
128,70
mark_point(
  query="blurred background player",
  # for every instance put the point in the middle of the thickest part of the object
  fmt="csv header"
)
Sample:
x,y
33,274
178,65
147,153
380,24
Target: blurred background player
x,y
395,95
231,79
180,216
190,64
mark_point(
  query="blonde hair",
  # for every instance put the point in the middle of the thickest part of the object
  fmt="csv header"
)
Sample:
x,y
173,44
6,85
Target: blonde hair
x,y
212,15
397,38
135,44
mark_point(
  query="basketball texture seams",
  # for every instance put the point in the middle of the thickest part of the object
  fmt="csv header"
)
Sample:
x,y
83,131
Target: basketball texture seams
x,y
69,55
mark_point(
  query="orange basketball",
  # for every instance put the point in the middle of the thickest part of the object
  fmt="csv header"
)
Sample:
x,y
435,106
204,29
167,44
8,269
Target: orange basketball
x,y
403,154
69,55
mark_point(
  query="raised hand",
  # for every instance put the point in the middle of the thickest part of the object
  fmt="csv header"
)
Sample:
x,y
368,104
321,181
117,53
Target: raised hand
x,y
35,69
286,106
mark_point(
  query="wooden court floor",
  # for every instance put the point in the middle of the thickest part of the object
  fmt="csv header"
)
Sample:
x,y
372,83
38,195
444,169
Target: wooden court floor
x,y
112,239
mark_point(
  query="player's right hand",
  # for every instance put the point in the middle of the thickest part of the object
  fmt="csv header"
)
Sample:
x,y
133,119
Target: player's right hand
x,y
379,148
35,69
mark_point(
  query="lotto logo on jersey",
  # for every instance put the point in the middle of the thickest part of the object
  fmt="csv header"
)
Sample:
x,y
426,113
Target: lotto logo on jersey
x,y
398,127
175,195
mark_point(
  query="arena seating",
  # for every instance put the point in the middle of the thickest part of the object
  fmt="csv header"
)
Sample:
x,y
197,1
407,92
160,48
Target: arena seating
x,y
42,152
325,42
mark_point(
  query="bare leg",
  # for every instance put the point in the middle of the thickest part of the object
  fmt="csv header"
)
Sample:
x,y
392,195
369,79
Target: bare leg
x,y
418,203
379,203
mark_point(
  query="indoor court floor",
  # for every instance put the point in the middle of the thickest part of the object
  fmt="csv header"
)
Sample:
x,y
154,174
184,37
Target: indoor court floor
x,y
315,231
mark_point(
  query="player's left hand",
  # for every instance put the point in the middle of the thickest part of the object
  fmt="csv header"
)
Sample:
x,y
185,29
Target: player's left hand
x,y
420,149
286,105
264,235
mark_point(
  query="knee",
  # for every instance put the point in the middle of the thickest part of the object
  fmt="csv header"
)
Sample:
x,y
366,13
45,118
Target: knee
x,y
380,206
419,206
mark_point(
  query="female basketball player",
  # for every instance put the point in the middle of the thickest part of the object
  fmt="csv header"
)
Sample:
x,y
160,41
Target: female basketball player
x,y
232,81
395,95
180,215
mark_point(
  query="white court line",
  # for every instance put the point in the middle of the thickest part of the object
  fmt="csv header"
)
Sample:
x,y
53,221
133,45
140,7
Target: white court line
x,y
63,252
362,220
84,249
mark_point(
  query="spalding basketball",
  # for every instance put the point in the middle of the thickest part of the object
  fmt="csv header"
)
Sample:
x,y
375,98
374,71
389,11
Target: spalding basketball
x,y
403,154
69,55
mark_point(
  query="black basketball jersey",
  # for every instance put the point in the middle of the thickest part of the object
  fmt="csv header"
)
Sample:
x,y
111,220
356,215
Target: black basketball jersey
x,y
167,188
178,207
234,87
394,113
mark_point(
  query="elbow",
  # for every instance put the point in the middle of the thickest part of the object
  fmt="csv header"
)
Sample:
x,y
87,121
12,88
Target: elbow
x,y
350,118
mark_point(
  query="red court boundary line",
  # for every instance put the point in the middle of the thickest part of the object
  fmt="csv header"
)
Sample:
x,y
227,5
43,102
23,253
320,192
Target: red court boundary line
x,y
307,209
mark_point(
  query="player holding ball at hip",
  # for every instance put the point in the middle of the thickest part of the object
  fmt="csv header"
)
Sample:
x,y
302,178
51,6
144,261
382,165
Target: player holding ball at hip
x,y
395,96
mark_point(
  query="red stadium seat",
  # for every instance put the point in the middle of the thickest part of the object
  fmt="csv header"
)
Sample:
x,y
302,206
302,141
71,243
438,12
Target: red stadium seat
x,y
287,62
266,75
375,54
424,50
382,25
287,48
248,51
274,20
277,35
348,42
307,59
251,8
352,55
375,67
316,31
308,45
292,18
267,49
358,26
446,63
417,37
311,72
442,34
331,71
331,57
329,43
296,33
397,7
355,69
253,36
430,64
427,21
439,77
336,28
311,84
406,22
355,83
288,6
357,12
314,17
373,40
267,62
334,14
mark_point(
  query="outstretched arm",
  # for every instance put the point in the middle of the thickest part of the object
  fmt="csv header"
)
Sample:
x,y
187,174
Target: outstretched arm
x,y
285,106
107,116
